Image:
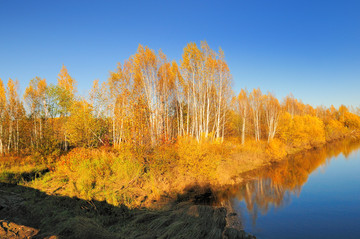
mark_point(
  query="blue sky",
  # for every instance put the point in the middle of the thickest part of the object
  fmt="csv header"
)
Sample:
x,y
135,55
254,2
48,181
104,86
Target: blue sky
x,y
309,48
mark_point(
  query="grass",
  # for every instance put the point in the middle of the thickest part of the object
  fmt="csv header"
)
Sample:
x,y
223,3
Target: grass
x,y
67,217
16,170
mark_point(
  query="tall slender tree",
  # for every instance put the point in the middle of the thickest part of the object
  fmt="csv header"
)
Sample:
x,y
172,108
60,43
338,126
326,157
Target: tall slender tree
x,y
242,102
35,97
272,114
65,94
2,115
256,103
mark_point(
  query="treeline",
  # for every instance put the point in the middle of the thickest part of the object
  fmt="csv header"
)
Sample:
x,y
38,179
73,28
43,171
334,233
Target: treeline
x,y
149,101
260,116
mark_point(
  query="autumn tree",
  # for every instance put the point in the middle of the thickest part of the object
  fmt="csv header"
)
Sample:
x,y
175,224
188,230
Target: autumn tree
x,y
293,106
272,112
167,75
152,74
82,128
99,102
256,103
120,85
60,98
180,96
2,115
206,82
222,84
242,103
99,99
301,131
35,97
148,101
15,112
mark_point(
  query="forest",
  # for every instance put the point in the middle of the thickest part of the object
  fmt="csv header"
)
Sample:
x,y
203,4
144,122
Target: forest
x,y
152,119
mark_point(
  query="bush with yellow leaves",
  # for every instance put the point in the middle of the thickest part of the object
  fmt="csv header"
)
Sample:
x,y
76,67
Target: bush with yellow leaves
x,y
276,149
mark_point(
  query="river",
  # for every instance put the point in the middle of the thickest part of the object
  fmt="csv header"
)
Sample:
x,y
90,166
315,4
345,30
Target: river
x,y
311,195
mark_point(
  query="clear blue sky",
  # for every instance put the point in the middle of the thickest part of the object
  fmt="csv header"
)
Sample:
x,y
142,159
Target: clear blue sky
x,y
310,48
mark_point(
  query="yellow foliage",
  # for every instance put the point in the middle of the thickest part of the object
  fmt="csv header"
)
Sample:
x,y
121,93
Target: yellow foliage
x,y
254,147
65,81
276,149
90,173
198,159
81,127
301,131
351,120
334,130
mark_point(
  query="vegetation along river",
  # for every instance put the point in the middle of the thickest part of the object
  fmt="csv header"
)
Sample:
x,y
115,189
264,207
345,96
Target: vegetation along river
x,y
312,195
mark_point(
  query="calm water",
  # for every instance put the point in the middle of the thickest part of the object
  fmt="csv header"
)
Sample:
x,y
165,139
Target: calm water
x,y
314,195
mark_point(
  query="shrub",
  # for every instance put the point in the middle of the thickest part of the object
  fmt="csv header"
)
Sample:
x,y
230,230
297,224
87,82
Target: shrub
x,y
334,130
199,159
276,149
301,131
99,174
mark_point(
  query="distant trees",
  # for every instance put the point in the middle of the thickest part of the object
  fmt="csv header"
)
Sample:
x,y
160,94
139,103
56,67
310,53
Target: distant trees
x,y
292,122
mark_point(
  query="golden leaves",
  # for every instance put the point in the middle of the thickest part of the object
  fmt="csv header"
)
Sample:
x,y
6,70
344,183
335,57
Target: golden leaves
x,y
65,81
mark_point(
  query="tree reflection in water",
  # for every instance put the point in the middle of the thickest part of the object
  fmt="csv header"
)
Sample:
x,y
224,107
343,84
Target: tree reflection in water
x,y
272,187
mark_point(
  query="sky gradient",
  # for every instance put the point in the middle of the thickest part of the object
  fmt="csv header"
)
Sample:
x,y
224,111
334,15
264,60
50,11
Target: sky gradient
x,y
308,48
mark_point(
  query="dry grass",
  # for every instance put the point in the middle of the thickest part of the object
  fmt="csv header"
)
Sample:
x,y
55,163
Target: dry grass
x,y
67,217
17,170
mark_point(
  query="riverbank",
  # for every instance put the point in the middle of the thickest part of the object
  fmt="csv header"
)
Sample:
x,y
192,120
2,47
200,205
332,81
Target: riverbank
x,y
121,177
147,179
166,191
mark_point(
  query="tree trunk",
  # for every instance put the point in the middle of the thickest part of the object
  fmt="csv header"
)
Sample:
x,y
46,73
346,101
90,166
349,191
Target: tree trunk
x,y
243,131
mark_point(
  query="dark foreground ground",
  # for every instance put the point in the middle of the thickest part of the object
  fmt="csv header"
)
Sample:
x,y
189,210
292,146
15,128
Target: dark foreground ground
x,y
29,213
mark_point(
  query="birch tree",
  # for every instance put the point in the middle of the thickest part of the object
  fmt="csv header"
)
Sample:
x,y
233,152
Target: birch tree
x,y
166,87
272,113
223,92
15,113
206,82
2,115
256,103
35,97
146,66
65,96
120,86
243,108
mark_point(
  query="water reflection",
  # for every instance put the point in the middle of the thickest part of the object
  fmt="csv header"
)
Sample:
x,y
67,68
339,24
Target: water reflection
x,y
273,187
